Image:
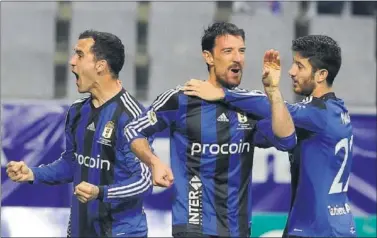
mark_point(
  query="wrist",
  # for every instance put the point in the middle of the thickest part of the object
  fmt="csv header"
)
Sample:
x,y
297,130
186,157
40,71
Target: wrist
x,y
153,161
31,175
99,190
271,89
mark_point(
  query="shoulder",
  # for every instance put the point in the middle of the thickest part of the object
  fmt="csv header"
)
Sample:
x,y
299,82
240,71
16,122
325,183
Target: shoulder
x,y
316,103
168,100
132,107
78,103
243,91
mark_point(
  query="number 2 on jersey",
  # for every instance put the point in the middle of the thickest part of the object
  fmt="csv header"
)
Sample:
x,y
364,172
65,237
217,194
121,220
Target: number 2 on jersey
x,y
337,186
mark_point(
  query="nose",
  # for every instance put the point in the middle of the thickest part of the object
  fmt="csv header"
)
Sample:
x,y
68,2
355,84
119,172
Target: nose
x,y
237,57
292,72
72,61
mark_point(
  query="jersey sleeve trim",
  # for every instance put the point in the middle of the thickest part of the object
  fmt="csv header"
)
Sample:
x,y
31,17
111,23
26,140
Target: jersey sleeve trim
x,y
162,103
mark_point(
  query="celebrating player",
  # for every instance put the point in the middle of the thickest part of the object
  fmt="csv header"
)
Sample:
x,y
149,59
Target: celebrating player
x,y
321,161
211,144
110,182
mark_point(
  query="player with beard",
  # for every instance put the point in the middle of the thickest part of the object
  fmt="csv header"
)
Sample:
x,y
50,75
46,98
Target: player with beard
x,y
321,162
211,144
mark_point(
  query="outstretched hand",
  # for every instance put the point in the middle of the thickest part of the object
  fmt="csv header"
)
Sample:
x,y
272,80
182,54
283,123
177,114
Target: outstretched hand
x,y
271,69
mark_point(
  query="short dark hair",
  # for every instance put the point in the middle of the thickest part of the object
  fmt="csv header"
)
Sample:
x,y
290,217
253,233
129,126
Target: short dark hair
x,y
323,53
219,29
107,47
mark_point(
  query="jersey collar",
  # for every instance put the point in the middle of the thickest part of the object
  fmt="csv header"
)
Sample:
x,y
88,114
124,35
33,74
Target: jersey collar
x,y
330,95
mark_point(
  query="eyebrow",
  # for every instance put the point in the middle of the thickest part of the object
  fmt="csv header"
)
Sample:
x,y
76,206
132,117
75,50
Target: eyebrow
x,y
79,52
299,63
231,48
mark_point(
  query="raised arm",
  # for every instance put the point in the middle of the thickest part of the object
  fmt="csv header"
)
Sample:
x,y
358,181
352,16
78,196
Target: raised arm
x,y
160,115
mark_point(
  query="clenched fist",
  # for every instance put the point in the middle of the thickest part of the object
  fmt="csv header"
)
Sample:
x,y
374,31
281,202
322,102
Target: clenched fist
x,y
19,172
162,174
86,192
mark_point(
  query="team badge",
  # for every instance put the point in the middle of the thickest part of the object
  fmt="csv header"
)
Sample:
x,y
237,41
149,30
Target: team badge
x,y
152,117
241,118
108,130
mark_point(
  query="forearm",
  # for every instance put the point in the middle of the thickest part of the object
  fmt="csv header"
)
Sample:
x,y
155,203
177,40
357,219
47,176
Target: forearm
x,y
142,150
58,172
137,186
251,102
282,123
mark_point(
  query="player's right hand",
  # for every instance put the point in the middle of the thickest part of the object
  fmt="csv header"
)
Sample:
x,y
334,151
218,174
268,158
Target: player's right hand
x,y
19,172
161,174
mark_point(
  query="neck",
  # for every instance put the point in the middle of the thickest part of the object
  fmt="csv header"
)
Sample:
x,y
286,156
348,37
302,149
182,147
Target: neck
x,y
320,91
105,90
213,80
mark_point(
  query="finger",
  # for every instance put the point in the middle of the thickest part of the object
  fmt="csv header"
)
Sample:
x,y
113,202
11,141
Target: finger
x,y
84,183
266,72
24,169
265,58
163,183
82,199
9,170
15,167
271,55
82,194
10,164
170,176
188,88
18,178
195,82
11,174
83,189
278,59
191,93
190,82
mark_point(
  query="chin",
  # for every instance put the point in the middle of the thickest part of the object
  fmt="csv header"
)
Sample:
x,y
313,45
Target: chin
x,y
81,90
234,82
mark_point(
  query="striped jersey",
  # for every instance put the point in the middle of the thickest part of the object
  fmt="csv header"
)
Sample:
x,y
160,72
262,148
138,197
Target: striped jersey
x,y
98,153
211,150
320,163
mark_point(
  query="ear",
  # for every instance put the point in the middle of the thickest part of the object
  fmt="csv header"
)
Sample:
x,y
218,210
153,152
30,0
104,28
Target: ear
x,y
322,75
100,66
208,57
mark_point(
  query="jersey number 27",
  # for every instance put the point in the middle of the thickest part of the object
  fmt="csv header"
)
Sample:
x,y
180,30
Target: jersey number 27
x,y
337,186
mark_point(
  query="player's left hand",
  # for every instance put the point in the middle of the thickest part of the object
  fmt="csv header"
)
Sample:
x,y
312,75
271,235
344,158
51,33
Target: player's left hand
x,y
203,89
86,192
271,69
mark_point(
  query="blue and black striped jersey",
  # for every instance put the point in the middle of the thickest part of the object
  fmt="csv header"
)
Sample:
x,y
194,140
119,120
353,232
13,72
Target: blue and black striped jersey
x,y
97,152
211,154
320,163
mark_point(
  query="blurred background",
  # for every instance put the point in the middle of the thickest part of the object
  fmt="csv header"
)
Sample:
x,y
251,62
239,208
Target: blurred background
x,y
163,43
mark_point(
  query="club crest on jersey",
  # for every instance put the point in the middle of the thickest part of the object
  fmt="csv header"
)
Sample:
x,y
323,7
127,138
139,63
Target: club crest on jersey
x,y
152,117
106,134
243,122
108,130
241,118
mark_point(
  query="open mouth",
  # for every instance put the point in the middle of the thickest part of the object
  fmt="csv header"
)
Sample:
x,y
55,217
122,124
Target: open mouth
x,y
236,71
76,75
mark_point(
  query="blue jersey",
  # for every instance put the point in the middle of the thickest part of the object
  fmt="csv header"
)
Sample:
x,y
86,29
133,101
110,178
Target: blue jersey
x,y
98,153
211,157
320,163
